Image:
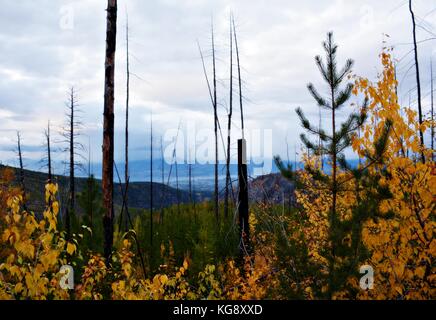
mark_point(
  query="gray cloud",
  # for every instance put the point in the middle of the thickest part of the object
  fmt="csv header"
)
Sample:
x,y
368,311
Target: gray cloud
x,y
39,60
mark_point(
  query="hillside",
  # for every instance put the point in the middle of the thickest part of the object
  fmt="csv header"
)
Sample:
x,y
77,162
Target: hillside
x,y
271,188
138,192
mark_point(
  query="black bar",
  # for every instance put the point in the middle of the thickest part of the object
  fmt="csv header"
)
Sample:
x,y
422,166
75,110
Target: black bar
x,y
243,197
223,309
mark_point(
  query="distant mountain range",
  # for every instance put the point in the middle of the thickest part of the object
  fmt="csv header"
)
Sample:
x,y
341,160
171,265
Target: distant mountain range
x,y
139,170
271,187
203,174
138,192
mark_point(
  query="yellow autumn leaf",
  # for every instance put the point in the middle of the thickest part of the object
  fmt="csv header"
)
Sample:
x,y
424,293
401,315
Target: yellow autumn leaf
x,y
17,217
49,259
18,287
156,281
25,248
420,272
163,279
377,256
55,207
71,248
185,264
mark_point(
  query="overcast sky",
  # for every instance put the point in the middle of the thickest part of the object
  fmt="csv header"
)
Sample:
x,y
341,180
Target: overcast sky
x,y
46,46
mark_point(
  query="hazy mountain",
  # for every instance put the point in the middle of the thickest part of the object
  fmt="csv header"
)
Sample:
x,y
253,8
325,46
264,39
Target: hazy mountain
x,y
138,192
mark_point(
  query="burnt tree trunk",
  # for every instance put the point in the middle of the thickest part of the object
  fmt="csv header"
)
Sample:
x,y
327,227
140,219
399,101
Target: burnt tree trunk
x,y
20,160
244,227
239,78
229,127
418,82
215,116
108,129
126,151
72,187
432,110
49,170
193,195
151,187
162,195
190,177
177,187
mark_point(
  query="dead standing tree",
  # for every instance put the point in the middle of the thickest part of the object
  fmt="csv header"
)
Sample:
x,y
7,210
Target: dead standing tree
x,y
213,97
174,161
213,94
108,129
229,127
162,195
190,175
126,150
432,110
70,133
418,82
215,115
177,180
47,157
244,228
21,172
151,186
239,77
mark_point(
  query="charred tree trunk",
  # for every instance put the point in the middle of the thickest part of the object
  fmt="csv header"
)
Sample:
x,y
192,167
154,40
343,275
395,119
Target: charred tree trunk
x,y
151,187
239,78
229,127
108,129
20,160
244,228
190,177
432,110
48,156
47,139
177,188
126,169
126,151
194,201
73,147
72,187
418,82
215,115
90,187
163,181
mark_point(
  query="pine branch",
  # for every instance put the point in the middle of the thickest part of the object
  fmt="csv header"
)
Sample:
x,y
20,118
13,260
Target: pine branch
x,y
343,96
320,100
